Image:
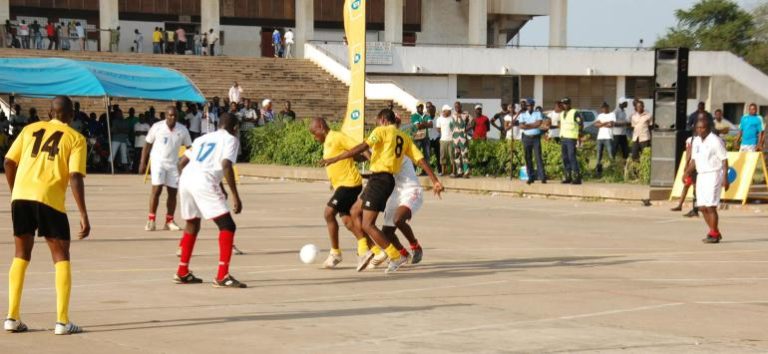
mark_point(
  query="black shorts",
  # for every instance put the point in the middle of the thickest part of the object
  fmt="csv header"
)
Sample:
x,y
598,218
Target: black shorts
x,y
343,199
31,216
377,191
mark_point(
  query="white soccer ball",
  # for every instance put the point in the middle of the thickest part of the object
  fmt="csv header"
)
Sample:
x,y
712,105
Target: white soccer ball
x,y
308,253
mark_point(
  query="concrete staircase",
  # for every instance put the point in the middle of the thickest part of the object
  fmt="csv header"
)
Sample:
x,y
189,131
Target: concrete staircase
x,y
311,90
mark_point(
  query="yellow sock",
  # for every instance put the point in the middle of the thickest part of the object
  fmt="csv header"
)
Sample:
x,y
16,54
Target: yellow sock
x,y
335,251
63,288
362,246
392,252
15,285
376,249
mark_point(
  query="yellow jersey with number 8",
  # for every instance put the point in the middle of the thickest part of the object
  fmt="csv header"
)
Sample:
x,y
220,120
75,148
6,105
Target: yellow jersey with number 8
x,y
389,146
46,153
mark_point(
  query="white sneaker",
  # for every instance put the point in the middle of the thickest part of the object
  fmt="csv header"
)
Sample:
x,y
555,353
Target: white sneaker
x,y
362,261
395,264
15,326
332,261
377,261
65,329
171,226
150,226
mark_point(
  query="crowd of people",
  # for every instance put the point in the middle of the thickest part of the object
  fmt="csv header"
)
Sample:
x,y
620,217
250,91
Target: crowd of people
x,y
51,36
129,129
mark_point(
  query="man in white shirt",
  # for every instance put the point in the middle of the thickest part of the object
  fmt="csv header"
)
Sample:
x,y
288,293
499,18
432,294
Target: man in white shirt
x,y
235,93
195,119
620,141
710,161
209,161
80,30
554,122
164,141
138,41
288,43
443,124
213,40
604,122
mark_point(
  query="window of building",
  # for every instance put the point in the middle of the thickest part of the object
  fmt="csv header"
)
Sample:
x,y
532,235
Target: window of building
x,y
733,111
506,88
586,92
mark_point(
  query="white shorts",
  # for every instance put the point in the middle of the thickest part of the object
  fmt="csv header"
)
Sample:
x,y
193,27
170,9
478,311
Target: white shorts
x,y
164,176
202,201
412,198
748,148
709,186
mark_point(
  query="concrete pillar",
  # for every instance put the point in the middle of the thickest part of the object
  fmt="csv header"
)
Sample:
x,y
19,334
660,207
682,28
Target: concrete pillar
x,y
478,22
558,23
538,89
5,10
305,25
393,21
621,88
209,18
108,20
453,91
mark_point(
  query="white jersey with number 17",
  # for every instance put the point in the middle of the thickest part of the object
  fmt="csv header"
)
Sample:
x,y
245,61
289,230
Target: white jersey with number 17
x,y
206,155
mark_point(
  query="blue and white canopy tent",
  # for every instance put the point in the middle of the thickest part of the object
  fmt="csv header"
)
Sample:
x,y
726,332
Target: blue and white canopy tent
x,y
48,77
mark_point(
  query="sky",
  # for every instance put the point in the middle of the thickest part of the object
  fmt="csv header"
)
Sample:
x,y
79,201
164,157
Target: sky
x,y
613,23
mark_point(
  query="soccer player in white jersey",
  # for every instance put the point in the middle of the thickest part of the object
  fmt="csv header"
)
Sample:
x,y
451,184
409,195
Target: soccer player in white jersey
x,y
211,159
164,140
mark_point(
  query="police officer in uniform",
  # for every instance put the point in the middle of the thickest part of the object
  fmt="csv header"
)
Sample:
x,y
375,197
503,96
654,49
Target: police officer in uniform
x,y
571,124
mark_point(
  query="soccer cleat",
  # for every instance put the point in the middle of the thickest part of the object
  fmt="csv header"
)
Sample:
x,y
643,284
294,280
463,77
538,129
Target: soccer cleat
x,y
395,264
710,239
237,251
228,282
418,253
187,279
65,329
362,261
377,261
15,326
692,214
150,226
332,261
171,226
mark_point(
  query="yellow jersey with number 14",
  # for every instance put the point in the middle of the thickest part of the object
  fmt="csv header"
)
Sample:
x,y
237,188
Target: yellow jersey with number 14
x,y
389,146
46,153
343,173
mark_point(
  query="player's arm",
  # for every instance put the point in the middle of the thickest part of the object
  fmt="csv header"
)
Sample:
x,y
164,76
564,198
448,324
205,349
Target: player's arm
x,y
737,141
78,192
12,159
229,176
10,172
144,157
726,182
413,152
357,150
183,163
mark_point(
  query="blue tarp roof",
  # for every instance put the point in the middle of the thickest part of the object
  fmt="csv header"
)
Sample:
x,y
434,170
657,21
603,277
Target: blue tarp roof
x,y
46,77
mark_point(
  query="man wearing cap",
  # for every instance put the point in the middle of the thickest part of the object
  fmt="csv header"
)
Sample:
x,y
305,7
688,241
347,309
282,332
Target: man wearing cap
x,y
443,124
571,124
481,124
267,115
420,123
530,123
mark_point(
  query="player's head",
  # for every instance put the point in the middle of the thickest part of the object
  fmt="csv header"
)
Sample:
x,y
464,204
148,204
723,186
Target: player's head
x,y
386,117
228,123
702,126
319,129
62,109
171,117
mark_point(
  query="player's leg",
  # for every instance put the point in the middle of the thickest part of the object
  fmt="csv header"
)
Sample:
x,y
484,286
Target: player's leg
x,y
170,204
402,217
679,206
154,200
370,228
24,244
356,218
334,258
227,230
187,245
60,254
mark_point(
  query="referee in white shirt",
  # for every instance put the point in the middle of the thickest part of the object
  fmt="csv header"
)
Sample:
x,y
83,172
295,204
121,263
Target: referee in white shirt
x,y
710,160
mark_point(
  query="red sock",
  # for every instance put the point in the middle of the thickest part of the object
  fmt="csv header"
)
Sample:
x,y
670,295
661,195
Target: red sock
x,y
151,217
713,233
168,218
187,244
403,252
415,246
226,240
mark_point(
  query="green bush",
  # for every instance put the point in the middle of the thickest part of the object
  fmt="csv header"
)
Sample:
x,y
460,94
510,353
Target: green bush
x,y
291,144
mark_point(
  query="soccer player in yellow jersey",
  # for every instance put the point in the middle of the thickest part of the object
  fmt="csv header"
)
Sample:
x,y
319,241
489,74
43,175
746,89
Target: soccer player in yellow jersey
x,y
347,185
44,159
389,145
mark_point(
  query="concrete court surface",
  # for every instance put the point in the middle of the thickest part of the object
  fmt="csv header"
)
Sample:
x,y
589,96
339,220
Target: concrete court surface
x,y
500,274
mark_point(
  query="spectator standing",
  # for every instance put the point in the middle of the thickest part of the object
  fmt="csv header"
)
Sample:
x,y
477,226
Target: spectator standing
x,y
605,121
571,124
641,130
722,126
287,115
170,41
554,122
498,121
277,43
157,41
751,131
421,123
620,141
80,31
23,33
530,124
266,111
37,35
213,39
204,43
138,41
63,36
250,116
481,125
235,93
211,114
509,122
114,40
459,128
195,119
17,120
121,130
433,133
5,32
288,37
198,42
53,40
181,41
444,124
140,131
690,125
